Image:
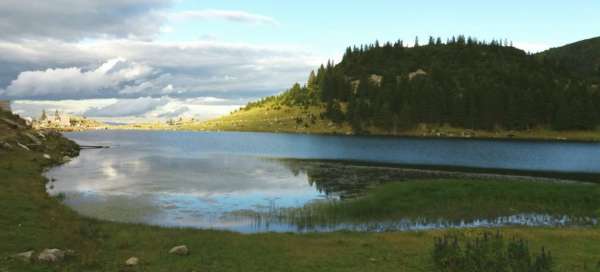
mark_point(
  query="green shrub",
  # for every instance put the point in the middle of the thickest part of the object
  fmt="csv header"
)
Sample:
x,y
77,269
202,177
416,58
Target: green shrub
x,y
487,253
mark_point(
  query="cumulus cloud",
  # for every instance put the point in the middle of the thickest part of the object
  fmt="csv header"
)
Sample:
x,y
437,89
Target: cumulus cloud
x,y
129,110
177,69
228,15
129,107
74,82
76,20
175,113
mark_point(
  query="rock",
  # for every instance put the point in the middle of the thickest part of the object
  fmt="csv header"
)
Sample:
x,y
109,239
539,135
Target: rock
x,y
46,156
70,252
12,123
416,73
179,250
23,146
51,255
133,261
66,158
7,146
34,139
24,256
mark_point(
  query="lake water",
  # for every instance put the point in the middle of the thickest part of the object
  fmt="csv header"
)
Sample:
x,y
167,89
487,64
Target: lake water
x,y
213,179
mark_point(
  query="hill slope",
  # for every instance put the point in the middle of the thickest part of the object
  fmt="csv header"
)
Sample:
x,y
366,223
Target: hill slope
x,y
463,84
583,57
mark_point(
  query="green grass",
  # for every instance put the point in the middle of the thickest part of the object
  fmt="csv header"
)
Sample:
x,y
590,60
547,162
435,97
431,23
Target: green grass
x,y
271,117
30,219
454,200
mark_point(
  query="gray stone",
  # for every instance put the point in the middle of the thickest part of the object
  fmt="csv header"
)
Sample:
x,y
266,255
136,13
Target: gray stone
x,y
11,122
180,250
25,256
133,261
23,146
7,146
51,255
34,139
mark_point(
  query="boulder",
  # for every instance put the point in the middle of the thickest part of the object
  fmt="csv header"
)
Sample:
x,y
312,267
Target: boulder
x,y
133,261
180,250
23,146
46,156
416,73
24,256
51,255
6,146
12,123
34,139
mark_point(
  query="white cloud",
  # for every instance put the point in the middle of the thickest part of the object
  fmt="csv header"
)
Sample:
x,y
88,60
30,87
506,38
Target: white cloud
x,y
77,20
74,82
228,15
33,108
128,110
201,68
531,47
127,107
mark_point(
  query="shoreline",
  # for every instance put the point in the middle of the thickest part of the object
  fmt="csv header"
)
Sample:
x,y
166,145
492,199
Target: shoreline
x,y
518,138
33,221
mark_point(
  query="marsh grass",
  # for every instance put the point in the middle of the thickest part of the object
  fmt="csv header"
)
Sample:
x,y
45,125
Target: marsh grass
x,y
451,201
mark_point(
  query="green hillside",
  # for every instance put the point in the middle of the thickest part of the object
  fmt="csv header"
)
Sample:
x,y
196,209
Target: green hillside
x,y
582,58
460,83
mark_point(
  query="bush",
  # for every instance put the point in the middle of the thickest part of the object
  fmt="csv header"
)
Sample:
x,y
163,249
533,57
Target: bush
x,y
488,253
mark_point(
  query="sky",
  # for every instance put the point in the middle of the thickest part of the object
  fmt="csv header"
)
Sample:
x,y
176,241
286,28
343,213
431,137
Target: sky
x,y
132,60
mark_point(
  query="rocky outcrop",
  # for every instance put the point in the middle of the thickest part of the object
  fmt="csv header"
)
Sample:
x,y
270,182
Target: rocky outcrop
x,y
133,261
23,146
416,73
33,139
51,255
180,250
26,256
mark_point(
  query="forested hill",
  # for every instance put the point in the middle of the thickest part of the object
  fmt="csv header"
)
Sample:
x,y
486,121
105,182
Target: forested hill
x,y
582,57
461,82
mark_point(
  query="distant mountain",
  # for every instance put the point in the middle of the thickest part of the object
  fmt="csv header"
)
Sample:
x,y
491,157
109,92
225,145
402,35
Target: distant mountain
x,y
582,58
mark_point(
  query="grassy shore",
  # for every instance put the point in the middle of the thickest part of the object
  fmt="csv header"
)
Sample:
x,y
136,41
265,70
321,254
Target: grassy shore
x,y
32,220
454,201
270,117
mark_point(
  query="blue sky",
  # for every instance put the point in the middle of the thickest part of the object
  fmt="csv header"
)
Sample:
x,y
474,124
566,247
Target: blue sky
x,y
330,26
168,58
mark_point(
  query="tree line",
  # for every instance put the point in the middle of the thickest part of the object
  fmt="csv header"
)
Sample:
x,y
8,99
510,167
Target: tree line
x,y
462,82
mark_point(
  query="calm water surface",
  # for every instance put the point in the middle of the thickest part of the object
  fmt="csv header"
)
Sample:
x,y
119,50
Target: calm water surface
x,y
211,180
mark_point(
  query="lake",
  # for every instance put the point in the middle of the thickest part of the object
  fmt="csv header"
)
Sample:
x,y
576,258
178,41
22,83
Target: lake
x,y
234,180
